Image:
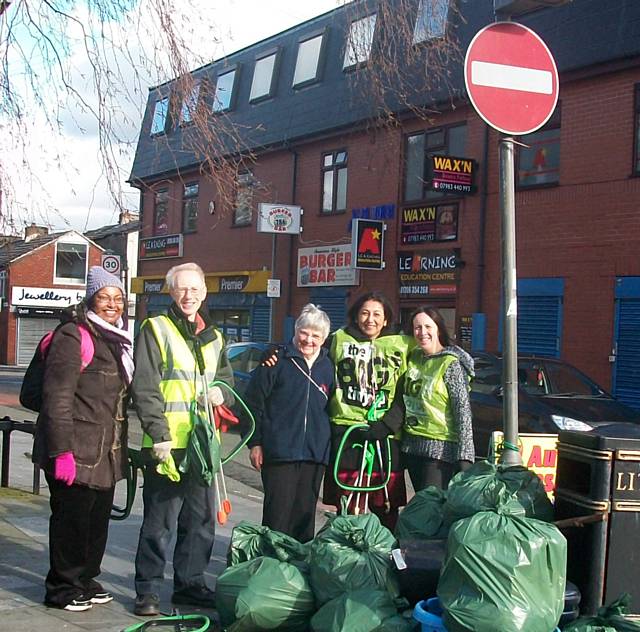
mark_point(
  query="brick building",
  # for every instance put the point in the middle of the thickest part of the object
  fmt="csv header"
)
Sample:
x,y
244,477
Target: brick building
x,y
316,147
39,276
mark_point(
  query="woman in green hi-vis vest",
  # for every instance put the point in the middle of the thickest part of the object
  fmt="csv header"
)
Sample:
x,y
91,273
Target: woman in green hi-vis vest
x,y
369,360
432,405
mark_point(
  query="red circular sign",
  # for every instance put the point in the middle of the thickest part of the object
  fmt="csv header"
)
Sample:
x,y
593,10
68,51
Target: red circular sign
x,y
511,78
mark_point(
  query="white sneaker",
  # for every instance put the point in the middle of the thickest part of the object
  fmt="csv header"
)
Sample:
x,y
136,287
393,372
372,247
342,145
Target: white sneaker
x,y
79,605
102,597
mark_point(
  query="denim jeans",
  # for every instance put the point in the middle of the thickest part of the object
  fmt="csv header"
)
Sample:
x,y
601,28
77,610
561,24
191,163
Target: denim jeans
x,y
186,508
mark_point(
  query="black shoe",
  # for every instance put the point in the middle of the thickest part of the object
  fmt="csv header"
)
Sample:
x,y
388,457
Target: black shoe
x,y
101,597
195,596
78,605
147,605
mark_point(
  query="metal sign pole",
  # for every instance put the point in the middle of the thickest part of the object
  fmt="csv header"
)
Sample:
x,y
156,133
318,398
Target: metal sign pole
x,y
510,455
273,276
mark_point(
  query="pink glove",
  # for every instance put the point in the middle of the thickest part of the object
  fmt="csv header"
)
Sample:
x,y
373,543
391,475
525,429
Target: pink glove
x,y
64,468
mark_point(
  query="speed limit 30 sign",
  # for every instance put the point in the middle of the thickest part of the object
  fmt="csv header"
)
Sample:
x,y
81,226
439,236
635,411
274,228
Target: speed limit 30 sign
x,y
111,263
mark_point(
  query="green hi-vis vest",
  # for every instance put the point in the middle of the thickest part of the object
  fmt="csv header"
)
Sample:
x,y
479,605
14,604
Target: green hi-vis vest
x,y
366,371
426,398
181,382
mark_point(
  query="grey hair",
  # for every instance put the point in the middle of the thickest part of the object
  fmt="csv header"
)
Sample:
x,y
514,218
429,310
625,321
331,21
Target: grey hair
x,y
313,317
191,267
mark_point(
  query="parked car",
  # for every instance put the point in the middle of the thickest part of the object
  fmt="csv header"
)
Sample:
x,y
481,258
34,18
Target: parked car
x,y
552,396
244,357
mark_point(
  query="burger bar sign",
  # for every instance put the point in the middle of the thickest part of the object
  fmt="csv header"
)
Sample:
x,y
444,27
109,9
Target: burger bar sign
x,y
279,219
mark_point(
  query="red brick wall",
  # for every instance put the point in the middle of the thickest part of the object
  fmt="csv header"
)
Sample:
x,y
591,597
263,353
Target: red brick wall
x,y
35,269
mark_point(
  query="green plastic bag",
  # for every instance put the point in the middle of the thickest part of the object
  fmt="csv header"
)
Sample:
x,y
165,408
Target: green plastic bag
x,y
355,611
422,518
264,594
477,489
503,571
250,540
349,553
399,623
608,619
202,456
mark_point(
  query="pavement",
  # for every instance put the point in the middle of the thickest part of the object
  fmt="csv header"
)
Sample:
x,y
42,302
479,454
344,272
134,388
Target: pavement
x,y
24,542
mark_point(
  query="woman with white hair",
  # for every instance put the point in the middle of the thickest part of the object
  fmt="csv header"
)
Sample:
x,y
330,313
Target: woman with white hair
x,y
290,447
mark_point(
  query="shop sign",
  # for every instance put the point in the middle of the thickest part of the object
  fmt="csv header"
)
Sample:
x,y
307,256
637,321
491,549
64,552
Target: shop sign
x,y
326,265
382,211
367,240
452,175
233,283
279,218
432,273
153,286
38,312
465,332
45,297
539,453
423,224
163,247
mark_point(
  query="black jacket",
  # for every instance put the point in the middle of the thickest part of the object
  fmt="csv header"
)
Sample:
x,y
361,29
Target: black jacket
x,y
290,410
83,411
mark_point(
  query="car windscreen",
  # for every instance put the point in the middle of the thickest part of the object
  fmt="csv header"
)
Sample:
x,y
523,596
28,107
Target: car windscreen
x,y
556,380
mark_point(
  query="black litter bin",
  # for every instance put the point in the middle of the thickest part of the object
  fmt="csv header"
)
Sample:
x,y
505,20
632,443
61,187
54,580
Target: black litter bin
x,y
598,499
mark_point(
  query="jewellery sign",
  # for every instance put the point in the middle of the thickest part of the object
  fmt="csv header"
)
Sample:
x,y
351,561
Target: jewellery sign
x,y
279,218
325,266
422,224
163,247
44,297
432,273
452,175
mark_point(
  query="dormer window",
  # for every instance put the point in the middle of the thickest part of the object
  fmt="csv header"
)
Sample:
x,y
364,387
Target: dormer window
x,y
359,41
262,86
431,22
71,261
308,61
190,105
160,112
223,97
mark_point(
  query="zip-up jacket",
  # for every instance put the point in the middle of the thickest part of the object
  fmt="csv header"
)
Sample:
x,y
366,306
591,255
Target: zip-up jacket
x,y
289,402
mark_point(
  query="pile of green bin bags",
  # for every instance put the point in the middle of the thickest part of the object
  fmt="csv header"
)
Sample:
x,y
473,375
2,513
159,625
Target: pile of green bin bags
x,y
504,565
609,619
342,580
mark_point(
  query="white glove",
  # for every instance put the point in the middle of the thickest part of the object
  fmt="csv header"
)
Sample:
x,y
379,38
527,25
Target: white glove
x,y
216,397
162,451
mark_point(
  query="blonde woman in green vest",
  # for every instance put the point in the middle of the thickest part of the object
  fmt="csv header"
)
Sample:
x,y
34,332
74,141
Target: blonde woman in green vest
x,y
433,404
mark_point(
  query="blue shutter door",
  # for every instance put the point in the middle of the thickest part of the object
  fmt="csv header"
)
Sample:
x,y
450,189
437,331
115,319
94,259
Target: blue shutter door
x,y
539,325
332,301
260,323
626,371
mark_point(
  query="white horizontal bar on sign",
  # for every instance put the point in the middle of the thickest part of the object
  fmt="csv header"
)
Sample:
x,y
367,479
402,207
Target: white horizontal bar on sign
x,y
484,73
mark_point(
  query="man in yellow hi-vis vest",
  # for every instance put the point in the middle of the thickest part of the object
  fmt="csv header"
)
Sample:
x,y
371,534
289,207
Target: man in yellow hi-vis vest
x,y
177,356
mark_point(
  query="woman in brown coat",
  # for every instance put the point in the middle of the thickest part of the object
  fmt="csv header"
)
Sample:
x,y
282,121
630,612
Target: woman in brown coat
x,y
81,440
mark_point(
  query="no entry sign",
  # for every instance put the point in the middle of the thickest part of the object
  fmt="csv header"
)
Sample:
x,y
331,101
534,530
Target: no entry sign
x,y
511,78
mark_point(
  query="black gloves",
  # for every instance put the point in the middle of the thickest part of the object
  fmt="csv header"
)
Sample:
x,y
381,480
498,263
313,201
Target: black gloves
x,y
376,431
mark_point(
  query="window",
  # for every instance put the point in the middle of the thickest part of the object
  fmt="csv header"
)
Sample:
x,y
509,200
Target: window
x,y
431,21
308,62
161,212
242,212
447,141
263,75
359,41
334,182
636,151
190,208
539,162
223,97
3,286
190,105
71,263
160,112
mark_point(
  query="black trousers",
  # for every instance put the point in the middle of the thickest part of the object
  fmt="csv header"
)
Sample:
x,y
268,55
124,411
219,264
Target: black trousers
x,y
290,495
78,530
425,472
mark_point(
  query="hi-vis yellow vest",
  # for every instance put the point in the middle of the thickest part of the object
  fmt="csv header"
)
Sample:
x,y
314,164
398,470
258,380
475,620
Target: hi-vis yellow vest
x,y
365,370
181,382
426,398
